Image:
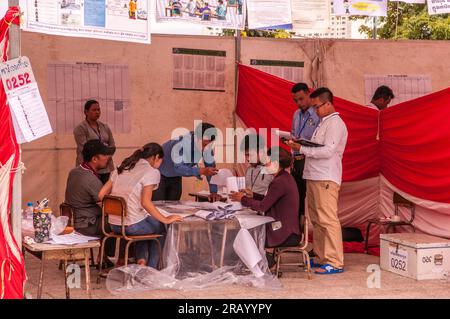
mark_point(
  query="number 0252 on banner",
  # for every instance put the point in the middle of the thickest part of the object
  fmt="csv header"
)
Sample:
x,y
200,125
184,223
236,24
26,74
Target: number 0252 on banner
x,y
28,112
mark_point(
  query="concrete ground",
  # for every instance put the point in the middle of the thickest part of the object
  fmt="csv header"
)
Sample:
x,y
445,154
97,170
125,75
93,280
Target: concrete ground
x,y
350,284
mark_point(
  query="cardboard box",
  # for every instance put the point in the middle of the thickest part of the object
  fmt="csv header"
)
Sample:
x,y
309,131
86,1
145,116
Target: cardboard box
x,y
416,256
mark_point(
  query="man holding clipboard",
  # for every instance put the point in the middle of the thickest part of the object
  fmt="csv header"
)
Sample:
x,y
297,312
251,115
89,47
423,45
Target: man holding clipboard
x,y
323,172
304,123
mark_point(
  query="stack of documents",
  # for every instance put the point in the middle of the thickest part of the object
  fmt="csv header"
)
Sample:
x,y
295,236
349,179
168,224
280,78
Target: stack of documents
x,y
70,239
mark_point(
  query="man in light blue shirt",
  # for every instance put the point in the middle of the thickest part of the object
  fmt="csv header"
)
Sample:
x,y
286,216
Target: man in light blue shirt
x,y
181,158
304,123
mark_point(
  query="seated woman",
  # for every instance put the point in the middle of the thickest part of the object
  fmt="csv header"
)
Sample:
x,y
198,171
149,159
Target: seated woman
x,y
135,180
281,202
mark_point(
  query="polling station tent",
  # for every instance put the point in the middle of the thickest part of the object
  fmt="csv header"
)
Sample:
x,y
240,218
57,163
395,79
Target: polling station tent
x,y
12,271
404,148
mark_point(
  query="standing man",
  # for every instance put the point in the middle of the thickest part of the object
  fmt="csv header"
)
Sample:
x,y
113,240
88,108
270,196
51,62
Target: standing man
x,y
323,172
182,157
382,97
304,123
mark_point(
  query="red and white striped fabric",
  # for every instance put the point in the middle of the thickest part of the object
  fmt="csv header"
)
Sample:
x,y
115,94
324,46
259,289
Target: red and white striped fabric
x,y
404,148
12,271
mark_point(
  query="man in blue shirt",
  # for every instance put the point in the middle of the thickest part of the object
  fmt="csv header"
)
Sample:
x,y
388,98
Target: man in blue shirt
x,y
304,123
182,156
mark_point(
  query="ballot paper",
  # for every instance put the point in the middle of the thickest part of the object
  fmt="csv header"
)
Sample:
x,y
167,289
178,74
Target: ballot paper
x,y
283,134
234,184
245,247
220,179
70,239
182,214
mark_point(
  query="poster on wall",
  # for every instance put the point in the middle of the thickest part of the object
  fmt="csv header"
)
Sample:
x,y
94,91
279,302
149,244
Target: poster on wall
x,y
371,8
269,14
438,6
409,1
28,112
311,16
3,8
213,13
120,20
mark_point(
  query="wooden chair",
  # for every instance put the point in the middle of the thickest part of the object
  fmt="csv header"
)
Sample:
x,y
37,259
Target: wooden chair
x,y
117,206
300,248
398,201
67,210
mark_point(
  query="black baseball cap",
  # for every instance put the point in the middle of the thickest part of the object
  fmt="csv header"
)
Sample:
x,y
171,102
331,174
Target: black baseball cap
x,y
96,147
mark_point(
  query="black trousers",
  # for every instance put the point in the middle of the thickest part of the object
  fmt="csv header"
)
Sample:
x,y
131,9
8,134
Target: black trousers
x,y
170,188
297,173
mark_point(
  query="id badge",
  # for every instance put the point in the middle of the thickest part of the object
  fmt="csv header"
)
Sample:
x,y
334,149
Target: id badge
x,y
276,225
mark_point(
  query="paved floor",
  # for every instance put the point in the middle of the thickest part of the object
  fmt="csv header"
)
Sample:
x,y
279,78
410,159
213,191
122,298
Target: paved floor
x,y
351,284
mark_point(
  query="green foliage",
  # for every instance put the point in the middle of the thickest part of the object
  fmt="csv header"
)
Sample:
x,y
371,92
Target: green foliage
x,y
410,21
279,34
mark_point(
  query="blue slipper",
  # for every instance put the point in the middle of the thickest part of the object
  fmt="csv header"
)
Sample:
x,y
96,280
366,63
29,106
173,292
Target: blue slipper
x,y
329,270
312,264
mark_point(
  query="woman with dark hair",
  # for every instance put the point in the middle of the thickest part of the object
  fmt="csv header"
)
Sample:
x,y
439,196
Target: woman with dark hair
x,y
135,180
281,202
92,129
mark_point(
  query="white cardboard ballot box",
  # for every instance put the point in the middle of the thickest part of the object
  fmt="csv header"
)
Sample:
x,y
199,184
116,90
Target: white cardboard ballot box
x,y
416,256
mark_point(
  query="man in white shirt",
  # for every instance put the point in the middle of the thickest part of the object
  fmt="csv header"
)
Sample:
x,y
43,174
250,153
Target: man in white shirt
x,y
381,98
323,172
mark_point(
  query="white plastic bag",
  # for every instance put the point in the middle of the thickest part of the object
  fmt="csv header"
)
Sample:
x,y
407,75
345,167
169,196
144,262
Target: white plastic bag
x,y
58,225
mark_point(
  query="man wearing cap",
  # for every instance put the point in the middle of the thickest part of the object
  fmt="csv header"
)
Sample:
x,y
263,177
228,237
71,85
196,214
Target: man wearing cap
x,y
83,186
304,123
183,155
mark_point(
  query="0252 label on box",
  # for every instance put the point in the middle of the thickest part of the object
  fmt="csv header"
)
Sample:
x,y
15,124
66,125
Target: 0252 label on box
x,y
398,260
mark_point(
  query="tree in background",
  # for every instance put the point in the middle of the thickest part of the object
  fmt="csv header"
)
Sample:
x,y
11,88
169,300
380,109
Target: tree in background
x,y
410,21
279,34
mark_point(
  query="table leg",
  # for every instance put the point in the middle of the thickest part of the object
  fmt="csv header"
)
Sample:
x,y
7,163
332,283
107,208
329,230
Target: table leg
x,y
213,264
64,267
41,277
88,272
178,237
224,240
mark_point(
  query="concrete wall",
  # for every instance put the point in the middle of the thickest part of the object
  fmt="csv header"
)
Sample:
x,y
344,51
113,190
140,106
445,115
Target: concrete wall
x,y
157,109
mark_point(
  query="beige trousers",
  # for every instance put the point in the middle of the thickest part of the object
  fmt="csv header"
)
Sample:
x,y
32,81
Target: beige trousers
x,y
322,197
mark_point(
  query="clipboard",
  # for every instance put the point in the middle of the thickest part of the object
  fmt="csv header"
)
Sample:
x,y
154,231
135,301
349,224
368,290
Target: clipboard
x,y
303,142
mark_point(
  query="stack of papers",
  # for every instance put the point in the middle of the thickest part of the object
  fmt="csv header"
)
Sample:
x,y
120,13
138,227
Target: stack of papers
x,y
70,239
234,184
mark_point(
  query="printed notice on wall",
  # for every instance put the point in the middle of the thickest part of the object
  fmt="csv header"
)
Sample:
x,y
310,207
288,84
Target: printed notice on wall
x,y
29,115
202,70
120,20
438,6
404,87
311,16
371,8
269,14
288,70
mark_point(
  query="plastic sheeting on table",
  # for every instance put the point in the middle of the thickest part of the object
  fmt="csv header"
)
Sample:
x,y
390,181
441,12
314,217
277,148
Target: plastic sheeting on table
x,y
200,254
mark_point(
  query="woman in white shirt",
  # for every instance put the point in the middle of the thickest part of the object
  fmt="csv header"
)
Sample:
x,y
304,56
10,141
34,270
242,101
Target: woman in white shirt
x,y
135,180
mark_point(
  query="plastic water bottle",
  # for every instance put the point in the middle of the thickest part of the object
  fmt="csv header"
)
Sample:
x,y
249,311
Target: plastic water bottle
x,y
28,213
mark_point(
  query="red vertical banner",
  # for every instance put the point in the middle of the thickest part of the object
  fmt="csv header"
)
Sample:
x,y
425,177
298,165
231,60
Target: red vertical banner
x,y
12,271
